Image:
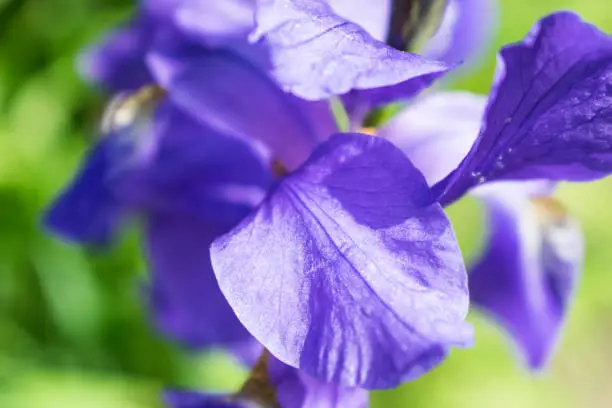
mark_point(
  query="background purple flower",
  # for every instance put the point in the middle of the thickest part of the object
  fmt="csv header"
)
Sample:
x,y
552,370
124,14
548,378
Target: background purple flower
x,y
189,184
532,261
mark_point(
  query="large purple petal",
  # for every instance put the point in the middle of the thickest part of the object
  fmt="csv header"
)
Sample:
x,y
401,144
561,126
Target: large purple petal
x,y
117,63
549,114
349,270
184,296
317,54
526,275
231,94
437,131
465,31
296,389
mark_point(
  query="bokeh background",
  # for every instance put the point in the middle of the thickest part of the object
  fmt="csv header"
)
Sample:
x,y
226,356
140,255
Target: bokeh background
x,y
73,331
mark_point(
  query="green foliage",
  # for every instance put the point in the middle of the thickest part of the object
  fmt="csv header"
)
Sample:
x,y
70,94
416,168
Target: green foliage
x,y
73,329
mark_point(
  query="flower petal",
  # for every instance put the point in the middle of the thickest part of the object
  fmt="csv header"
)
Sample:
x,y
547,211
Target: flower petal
x,y
465,31
549,114
171,165
296,389
526,275
437,131
216,23
372,15
185,299
117,63
352,234
234,96
87,210
194,170
191,399
317,54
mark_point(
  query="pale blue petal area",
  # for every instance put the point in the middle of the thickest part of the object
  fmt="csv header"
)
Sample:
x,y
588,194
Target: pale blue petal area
x,y
467,29
372,15
437,131
216,23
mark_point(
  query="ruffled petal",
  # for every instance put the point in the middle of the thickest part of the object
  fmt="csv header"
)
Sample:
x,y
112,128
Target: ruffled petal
x,y
349,270
234,96
117,63
296,389
317,54
465,31
525,278
184,296
437,131
549,113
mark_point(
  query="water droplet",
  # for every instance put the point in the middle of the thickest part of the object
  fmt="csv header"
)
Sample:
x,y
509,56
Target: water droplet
x,y
476,174
481,179
499,162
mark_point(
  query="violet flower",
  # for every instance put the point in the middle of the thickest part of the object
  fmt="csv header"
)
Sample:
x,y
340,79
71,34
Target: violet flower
x,y
547,120
195,170
189,184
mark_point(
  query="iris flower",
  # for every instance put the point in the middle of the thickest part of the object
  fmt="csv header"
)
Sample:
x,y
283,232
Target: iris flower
x,y
340,251
348,269
190,154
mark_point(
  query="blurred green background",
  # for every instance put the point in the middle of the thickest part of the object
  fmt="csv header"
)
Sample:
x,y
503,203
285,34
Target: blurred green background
x,y
73,332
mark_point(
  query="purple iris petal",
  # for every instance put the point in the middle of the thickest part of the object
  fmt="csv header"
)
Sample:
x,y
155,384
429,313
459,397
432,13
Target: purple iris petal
x,y
349,270
437,131
549,114
231,94
185,299
317,54
196,171
190,399
465,31
372,15
296,389
87,210
191,184
118,63
216,23
525,278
